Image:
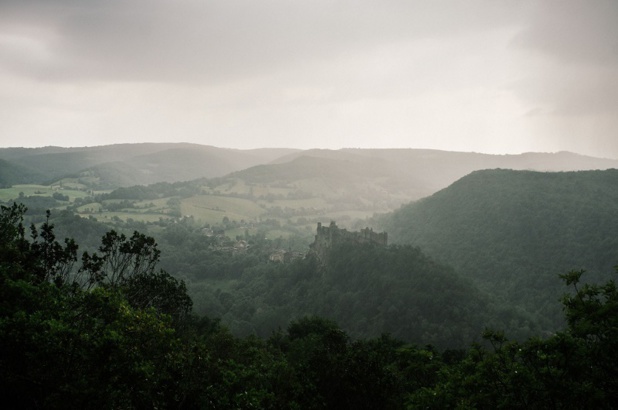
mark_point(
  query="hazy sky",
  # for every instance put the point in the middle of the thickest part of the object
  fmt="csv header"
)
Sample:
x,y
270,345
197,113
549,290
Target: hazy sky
x,y
496,76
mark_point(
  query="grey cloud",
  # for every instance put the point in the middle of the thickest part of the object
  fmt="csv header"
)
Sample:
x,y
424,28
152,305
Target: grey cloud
x,y
571,92
330,64
575,46
573,31
185,41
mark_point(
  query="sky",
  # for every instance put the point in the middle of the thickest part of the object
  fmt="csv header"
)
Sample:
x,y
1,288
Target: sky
x,y
492,76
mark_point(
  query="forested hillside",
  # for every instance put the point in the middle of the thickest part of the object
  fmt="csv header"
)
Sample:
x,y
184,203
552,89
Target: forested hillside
x,y
367,289
112,331
11,173
257,285
511,232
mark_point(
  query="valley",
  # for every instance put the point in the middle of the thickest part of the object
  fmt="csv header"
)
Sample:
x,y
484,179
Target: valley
x,y
287,263
507,233
283,191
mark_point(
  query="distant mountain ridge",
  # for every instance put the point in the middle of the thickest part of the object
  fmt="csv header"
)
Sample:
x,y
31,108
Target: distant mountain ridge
x,y
437,169
113,166
389,178
384,177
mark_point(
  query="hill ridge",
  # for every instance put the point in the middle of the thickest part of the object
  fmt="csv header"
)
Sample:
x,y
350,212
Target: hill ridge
x,y
514,230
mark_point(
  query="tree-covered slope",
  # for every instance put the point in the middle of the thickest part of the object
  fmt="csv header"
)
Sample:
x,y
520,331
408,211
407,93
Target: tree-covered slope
x,y
369,290
514,231
11,173
113,332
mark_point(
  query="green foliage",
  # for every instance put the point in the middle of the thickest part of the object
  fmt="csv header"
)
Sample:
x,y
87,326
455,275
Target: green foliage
x,y
572,369
12,173
513,232
368,290
338,373
66,346
125,338
399,290
85,231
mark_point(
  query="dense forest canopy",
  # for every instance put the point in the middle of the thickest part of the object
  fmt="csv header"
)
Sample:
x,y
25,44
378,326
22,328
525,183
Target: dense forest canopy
x,y
512,232
112,331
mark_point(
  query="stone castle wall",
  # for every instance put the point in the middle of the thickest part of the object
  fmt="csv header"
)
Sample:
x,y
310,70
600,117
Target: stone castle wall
x,y
327,236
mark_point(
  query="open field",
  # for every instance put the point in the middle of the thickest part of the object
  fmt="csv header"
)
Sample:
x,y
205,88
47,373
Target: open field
x,y
91,208
8,194
308,204
279,208
13,193
212,209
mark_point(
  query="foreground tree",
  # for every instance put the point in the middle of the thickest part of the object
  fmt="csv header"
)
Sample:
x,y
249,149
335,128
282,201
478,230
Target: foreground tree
x,y
573,369
68,343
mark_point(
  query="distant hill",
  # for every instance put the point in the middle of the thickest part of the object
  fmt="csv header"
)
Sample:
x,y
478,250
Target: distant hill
x,y
358,182
380,180
513,232
11,173
174,164
289,189
404,174
424,172
112,166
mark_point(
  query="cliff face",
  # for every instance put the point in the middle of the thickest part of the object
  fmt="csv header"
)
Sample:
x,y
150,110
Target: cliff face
x,y
327,236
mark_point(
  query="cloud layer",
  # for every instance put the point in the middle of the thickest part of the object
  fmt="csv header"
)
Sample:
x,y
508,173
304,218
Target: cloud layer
x,y
479,75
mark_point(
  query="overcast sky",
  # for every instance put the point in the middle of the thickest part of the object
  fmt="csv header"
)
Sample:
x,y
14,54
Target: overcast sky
x,y
494,76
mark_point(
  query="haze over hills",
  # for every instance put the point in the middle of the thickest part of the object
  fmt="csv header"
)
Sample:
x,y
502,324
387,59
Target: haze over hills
x,y
113,166
154,274
380,180
514,232
283,185
358,182
147,163
426,171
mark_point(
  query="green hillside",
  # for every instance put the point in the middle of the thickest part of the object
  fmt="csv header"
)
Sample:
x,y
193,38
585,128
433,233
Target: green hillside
x,y
12,173
371,290
121,333
368,289
513,232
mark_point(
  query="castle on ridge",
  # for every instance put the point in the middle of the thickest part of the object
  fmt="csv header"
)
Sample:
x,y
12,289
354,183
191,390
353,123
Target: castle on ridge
x,y
327,236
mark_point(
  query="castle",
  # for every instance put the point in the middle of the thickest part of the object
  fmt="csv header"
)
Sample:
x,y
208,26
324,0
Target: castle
x,y
327,236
